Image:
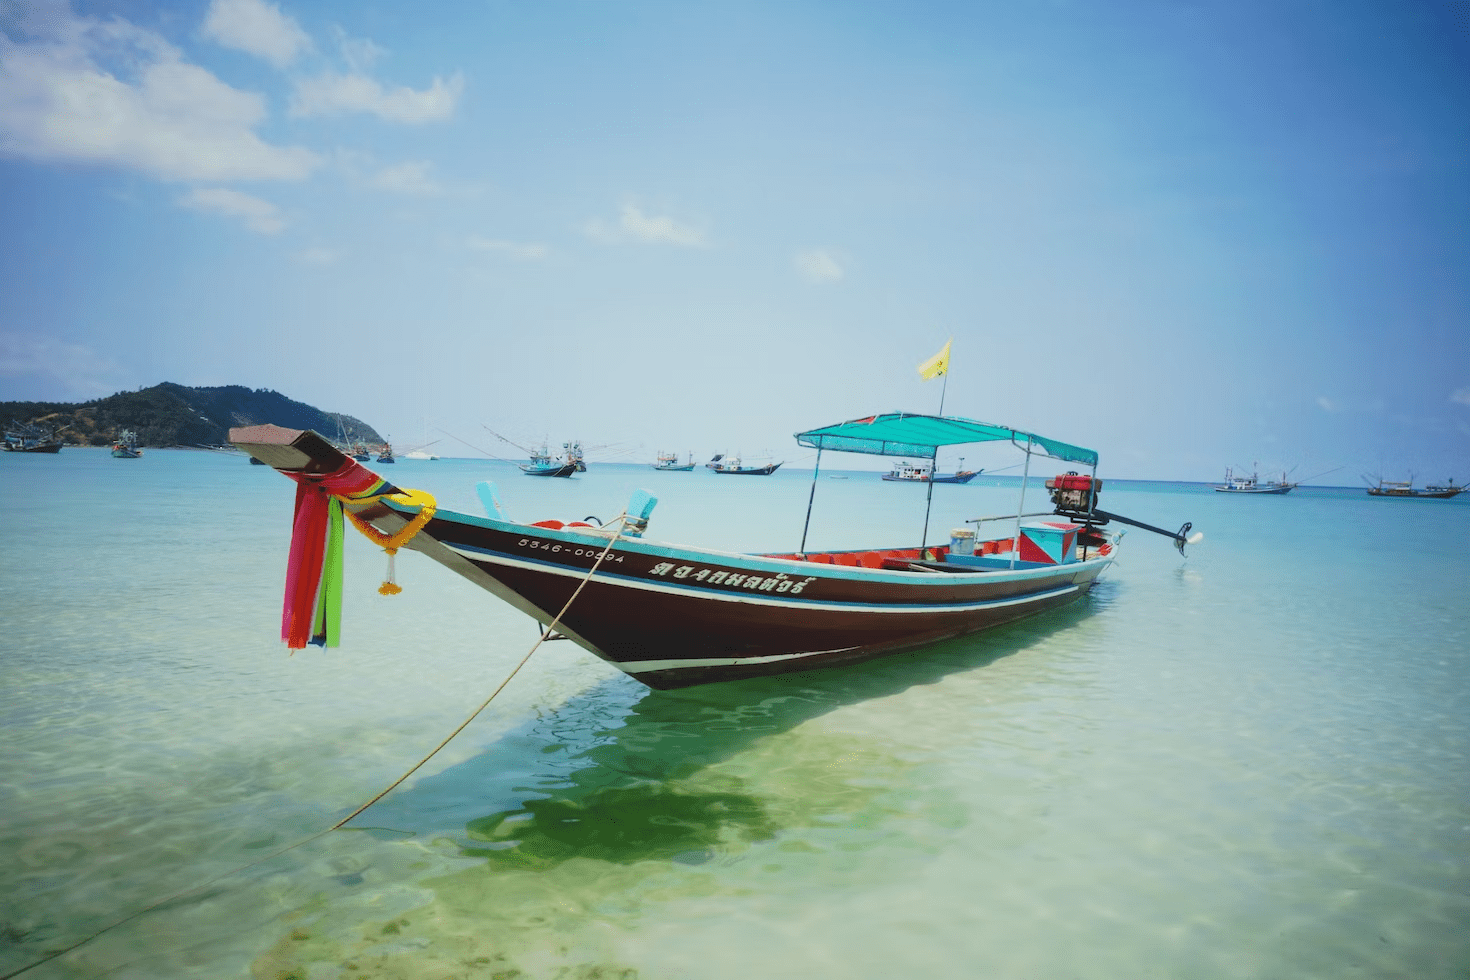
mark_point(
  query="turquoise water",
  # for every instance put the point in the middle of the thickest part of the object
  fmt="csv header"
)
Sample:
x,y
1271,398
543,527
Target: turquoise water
x,y
1249,763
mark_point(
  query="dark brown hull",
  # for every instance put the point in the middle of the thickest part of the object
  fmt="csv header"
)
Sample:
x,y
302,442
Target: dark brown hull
x,y
671,618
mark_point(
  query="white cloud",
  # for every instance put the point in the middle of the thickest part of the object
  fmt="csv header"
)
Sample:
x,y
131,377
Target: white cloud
x,y
77,369
1327,404
818,266
116,95
331,94
411,177
634,225
515,249
257,28
258,215
1461,396
359,53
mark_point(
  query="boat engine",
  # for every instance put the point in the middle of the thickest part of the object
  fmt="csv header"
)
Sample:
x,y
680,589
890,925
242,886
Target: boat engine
x,y
1075,496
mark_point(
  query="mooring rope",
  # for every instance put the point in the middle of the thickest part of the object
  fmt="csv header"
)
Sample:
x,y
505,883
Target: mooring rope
x,y
622,521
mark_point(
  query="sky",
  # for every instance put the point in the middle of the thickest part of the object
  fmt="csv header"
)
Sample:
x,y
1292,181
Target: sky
x,y
1189,235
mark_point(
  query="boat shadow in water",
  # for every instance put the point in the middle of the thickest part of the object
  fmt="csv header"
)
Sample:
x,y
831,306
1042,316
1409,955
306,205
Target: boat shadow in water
x,y
618,774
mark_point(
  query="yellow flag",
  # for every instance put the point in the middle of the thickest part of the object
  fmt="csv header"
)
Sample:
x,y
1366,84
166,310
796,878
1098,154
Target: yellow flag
x,y
936,365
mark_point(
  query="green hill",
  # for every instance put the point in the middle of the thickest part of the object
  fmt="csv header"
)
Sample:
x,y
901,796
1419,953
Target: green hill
x,y
173,415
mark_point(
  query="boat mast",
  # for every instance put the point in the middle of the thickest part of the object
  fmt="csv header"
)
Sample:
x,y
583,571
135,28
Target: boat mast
x,y
1021,508
810,497
929,501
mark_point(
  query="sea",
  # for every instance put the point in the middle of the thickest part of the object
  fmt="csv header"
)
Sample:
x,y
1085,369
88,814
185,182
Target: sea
x,y
1248,761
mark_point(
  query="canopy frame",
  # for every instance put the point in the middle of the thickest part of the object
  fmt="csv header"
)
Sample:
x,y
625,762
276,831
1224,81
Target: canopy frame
x,y
919,435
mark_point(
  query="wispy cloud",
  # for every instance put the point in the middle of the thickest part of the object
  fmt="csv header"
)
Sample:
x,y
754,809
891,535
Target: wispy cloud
x,y
818,266
1327,404
634,225
117,95
1461,396
257,215
333,93
78,370
517,250
257,28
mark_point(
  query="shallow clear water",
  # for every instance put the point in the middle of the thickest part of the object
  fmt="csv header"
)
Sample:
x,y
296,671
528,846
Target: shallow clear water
x,y
1249,763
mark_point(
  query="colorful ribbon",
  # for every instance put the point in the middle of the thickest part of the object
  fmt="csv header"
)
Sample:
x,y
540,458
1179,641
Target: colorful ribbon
x,y
312,608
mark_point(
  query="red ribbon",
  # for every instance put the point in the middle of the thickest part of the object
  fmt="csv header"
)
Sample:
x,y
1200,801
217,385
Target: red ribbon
x,y
309,541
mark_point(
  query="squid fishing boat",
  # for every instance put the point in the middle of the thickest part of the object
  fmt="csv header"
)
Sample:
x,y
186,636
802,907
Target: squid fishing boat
x,y
673,616
731,465
669,463
1253,484
126,446
922,472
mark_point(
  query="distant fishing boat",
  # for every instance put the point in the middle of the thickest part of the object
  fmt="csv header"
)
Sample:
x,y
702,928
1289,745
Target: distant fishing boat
x,y
669,463
672,616
1405,488
1253,484
126,446
573,452
733,466
22,438
922,472
385,455
544,464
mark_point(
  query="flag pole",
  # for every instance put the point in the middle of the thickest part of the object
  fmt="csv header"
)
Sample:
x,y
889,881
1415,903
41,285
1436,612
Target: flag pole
x,y
942,389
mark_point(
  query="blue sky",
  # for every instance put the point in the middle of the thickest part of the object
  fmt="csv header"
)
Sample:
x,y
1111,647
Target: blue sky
x,y
1189,235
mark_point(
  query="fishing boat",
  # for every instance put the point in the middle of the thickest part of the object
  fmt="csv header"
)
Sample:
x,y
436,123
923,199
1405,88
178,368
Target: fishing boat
x,y
385,455
1406,488
922,472
572,451
544,464
22,438
669,463
126,446
674,616
1253,484
732,465
361,454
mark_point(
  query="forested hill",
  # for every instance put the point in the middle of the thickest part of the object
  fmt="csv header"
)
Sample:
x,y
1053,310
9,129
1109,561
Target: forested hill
x,y
173,415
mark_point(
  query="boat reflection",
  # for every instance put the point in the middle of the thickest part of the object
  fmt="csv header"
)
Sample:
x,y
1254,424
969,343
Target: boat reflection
x,y
614,774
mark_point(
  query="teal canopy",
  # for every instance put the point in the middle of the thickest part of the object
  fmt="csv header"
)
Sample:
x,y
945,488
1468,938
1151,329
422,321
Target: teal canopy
x,y
905,434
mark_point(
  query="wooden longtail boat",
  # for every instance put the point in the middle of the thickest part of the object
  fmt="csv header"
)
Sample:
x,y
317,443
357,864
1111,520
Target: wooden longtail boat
x,y
673,616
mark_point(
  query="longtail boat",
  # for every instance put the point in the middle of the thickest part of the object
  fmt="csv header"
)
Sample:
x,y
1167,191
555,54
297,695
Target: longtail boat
x,y
673,616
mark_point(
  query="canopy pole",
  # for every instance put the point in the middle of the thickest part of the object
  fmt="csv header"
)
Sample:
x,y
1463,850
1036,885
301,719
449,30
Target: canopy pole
x,y
1020,510
933,467
811,497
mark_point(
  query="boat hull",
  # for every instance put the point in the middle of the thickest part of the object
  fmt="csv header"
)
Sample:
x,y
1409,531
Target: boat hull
x,y
964,477
675,617
748,470
1288,488
1419,494
562,471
